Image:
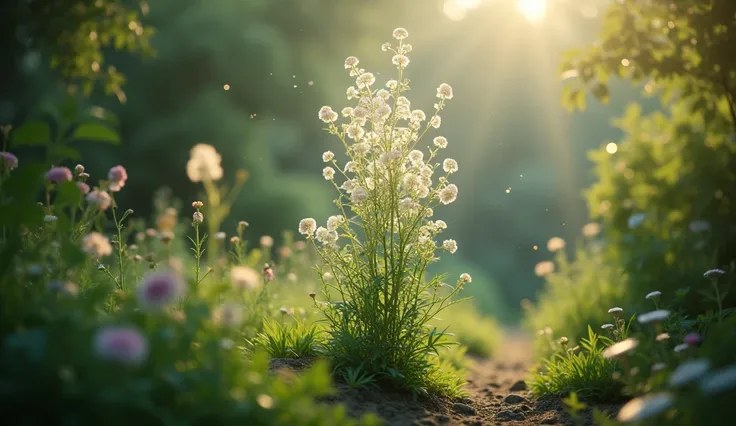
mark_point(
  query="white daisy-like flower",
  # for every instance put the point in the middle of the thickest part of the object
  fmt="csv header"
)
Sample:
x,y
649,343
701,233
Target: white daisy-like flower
x,y
328,156
392,84
435,121
654,316
400,60
645,407
307,227
351,62
689,371
449,165
681,347
400,33
204,163
352,93
328,173
416,156
620,348
444,91
418,115
653,294
440,224
719,381
714,273
450,245
355,131
334,222
615,310
448,194
327,115
440,142
607,326
466,278
365,80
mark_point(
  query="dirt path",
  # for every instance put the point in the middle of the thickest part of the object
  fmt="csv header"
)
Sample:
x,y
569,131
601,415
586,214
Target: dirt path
x,y
498,396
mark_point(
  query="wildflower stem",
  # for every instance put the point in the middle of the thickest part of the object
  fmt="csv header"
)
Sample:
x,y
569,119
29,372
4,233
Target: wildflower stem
x,y
718,298
121,249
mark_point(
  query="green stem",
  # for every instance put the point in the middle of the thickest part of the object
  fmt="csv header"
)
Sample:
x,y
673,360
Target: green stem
x,y
121,250
714,283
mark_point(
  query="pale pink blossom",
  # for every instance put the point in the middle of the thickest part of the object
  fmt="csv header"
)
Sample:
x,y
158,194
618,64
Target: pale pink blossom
x,y
59,174
124,345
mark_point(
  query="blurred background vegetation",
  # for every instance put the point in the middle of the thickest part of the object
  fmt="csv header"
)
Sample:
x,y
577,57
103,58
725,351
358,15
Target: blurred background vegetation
x,y
248,76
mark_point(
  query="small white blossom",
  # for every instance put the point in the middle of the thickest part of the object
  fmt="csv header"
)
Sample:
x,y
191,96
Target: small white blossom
x,y
400,60
719,381
448,194
654,316
351,62
450,245
689,371
465,277
645,407
444,91
328,173
607,326
440,142
327,115
334,222
449,165
400,33
328,156
435,121
365,80
653,294
307,227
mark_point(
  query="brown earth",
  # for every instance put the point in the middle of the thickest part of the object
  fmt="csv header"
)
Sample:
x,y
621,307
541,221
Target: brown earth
x,y
498,395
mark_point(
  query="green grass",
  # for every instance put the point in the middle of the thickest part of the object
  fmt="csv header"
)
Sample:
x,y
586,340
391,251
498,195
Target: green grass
x,y
584,372
292,340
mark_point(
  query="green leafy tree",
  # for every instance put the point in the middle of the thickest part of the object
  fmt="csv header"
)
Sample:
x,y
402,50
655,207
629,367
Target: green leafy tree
x,y
665,197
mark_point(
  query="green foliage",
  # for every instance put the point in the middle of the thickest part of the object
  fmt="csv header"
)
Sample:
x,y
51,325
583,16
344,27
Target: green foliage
x,y
580,370
478,334
577,294
289,340
76,38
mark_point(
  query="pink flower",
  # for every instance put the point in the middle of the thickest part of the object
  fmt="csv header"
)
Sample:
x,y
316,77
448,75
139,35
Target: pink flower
x,y
268,273
692,339
59,174
124,345
101,198
117,175
158,289
10,161
83,187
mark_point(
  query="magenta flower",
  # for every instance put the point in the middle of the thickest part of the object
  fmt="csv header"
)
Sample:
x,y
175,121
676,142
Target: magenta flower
x,y
59,174
83,187
118,176
693,339
10,161
159,289
124,345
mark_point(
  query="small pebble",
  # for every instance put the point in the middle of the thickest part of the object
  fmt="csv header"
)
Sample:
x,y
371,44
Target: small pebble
x,y
514,399
461,408
518,386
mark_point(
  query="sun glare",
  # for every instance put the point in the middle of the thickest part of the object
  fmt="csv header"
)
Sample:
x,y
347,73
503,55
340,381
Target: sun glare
x,y
532,10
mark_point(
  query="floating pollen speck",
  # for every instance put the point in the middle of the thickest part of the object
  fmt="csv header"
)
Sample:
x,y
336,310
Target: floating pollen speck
x,y
508,190
226,87
310,82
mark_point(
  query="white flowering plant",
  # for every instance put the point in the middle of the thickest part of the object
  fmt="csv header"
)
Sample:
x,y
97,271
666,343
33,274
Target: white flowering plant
x,y
378,299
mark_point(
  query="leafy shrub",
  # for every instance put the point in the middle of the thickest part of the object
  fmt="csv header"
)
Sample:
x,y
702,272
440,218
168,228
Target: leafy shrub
x,y
379,300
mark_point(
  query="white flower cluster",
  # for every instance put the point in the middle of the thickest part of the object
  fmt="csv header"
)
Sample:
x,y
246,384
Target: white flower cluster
x,y
388,181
